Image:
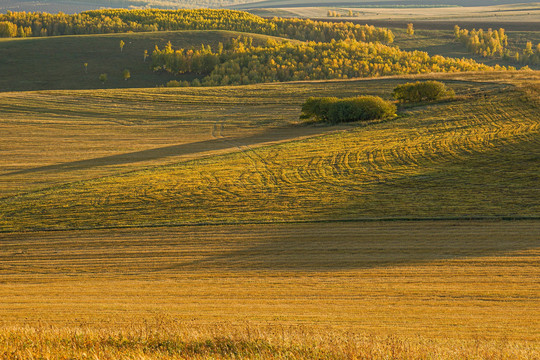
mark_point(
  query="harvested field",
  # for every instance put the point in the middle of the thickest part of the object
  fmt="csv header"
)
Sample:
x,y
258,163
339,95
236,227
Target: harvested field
x,y
514,16
465,158
439,279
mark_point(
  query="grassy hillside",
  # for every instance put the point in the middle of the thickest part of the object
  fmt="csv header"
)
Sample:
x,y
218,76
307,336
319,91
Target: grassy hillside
x,y
470,157
442,42
54,137
379,3
58,62
210,223
296,291
467,11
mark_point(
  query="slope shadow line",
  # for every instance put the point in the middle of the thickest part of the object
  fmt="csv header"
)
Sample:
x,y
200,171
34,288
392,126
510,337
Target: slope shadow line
x,y
222,143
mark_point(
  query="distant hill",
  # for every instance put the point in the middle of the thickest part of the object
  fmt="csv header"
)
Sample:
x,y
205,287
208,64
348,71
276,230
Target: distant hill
x,y
371,3
74,6
58,62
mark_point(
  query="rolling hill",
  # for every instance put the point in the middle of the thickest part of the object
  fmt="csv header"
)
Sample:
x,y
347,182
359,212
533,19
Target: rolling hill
x,y
381,3
249,234
58,62
146,222
364,172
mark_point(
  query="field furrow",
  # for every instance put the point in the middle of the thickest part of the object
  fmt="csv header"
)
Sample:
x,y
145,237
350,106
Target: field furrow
x,y
464,153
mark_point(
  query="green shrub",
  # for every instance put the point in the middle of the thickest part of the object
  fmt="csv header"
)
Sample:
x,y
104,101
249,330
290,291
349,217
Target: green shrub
x,y
336,110
317,108
422,91
103,78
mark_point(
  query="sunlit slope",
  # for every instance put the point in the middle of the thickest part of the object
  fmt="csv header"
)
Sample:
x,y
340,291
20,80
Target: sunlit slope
x,y
53,137
58,62
476,156
509,13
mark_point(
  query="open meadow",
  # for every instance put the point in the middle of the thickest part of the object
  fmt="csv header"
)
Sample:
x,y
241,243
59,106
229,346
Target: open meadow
x,y
509,13
304,290
202,220
462,152
312,291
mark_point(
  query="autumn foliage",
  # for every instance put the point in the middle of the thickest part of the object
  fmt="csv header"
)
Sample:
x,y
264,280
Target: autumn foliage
x,y
241,62
120,20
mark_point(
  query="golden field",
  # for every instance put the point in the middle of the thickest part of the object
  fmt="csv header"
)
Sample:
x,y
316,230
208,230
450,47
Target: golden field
x,y
177,224
470,157
329,290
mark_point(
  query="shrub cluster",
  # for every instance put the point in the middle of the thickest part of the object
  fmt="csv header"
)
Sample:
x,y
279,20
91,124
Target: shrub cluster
x,y
334,110
362,108
422,91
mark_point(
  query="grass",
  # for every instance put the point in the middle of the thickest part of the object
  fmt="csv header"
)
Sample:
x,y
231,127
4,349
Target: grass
x,y
50,138
58,62
403,290
248,343
280,264
442,42
281,274
467,11
470,157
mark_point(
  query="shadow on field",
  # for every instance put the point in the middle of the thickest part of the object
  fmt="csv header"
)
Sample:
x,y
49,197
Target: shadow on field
x,y
340,246
311,247
217,144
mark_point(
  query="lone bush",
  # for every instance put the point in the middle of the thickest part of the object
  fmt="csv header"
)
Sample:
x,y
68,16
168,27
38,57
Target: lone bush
x,y
422,91
336,110
103,78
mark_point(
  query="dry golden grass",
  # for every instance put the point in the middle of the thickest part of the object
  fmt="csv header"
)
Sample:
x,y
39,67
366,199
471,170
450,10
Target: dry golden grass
x,y
496,14
54,137
441,290
169,340
314,290
469,157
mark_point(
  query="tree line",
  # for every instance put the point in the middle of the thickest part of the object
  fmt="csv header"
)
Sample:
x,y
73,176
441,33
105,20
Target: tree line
x,y
494,44
120,20
242,62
